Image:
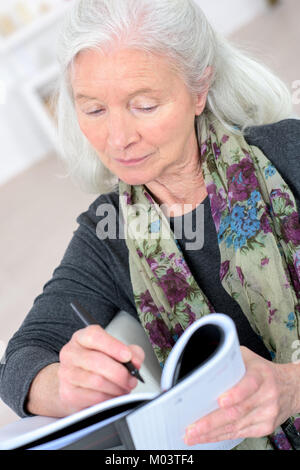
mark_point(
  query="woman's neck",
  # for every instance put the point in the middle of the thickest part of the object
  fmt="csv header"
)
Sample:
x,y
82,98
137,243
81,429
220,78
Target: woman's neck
x,y
179,194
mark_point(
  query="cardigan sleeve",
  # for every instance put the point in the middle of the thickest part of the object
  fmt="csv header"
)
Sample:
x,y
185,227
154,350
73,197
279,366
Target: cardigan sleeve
x,y
83,274
280,142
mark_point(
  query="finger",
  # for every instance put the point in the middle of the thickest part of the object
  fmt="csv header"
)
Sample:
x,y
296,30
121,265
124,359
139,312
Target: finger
x,y
259,429
80,398
246,388
226,419
257,423
96,338
103,365
209,424
138,355
89,380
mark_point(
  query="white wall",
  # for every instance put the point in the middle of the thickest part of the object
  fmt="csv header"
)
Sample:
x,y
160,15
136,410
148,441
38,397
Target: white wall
x,y
229,15
25,56
23,139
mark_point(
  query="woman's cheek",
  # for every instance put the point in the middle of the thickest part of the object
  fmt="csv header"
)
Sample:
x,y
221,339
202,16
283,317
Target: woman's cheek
x,y
92,133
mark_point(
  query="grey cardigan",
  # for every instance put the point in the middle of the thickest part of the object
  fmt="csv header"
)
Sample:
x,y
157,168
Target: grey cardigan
x,y
96,272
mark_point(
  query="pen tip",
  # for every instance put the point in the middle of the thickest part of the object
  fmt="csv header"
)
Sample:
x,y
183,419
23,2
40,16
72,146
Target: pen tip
x,y
140,378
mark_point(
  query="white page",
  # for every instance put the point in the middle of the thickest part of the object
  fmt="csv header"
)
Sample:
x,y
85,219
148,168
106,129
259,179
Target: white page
x,y
28,430
231,343
126,329
76,436
190,399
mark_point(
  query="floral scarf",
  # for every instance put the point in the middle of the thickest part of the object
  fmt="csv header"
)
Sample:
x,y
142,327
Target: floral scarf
x,y
257,225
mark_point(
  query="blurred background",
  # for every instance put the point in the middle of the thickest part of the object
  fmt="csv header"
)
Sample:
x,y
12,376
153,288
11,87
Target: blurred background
x,y
38,204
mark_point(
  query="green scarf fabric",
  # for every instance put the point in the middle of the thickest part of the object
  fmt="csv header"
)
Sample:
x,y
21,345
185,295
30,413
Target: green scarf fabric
x,y
257,225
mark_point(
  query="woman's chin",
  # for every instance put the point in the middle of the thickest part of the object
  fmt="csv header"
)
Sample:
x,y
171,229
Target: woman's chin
x,y
133,180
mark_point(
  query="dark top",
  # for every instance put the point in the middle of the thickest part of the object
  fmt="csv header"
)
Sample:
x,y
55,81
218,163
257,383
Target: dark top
x,y
96,273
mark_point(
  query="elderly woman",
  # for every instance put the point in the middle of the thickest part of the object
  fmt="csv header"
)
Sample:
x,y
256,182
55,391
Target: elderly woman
x,y
157,111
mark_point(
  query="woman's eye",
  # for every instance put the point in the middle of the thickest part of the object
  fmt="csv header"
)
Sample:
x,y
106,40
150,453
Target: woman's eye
x,y
147,109
97,111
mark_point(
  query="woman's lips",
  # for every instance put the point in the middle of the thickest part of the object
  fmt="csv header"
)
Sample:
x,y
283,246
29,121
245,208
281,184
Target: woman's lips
x,y
133,162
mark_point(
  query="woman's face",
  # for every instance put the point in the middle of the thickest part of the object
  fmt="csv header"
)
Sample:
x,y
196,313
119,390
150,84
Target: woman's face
x,y
136,112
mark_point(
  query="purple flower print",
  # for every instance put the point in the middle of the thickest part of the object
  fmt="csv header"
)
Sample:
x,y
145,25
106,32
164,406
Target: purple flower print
x,y
159,334
181,263
291,228
265,224
149,197
174,286
128,198
271,311
265,261
278,193
280,441
218,203
224,269
297,263
147,305
139,253
203,149
241,275
191,314
178,330
225,138
217,151
242,180
152,263
294,278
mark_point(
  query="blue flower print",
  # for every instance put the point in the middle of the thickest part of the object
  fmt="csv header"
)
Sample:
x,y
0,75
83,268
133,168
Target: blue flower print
x,y
291,321
242,223
155,227
270,171
255,196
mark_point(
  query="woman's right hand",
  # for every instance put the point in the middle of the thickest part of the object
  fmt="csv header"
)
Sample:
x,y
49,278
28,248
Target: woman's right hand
x,y
90,369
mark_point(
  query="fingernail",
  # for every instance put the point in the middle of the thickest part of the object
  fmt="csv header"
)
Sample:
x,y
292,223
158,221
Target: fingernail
x,y
125,355
189,439
225,402
191,431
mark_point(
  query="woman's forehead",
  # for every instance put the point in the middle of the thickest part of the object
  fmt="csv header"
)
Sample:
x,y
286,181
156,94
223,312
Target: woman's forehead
x,y
131,66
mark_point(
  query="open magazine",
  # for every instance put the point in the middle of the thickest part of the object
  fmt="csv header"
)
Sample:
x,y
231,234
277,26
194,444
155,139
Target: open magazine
x,y
204,363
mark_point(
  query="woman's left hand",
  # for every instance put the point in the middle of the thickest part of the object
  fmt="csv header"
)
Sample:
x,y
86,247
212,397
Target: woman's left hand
x,y
267,395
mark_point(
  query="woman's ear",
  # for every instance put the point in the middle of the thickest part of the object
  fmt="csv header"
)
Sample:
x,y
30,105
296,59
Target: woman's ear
x,y
202,97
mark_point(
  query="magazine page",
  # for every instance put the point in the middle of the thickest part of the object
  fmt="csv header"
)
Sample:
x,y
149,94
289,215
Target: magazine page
x,y
126,329
29,430
161,423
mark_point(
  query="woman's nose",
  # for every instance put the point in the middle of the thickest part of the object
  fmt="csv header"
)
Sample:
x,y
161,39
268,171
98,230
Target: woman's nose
x,y
121,131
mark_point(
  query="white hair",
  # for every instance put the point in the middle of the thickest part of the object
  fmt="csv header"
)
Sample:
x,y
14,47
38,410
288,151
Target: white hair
x,y
242,92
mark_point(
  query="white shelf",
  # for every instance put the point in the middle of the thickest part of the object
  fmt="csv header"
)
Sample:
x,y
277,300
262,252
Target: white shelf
x,y
37,26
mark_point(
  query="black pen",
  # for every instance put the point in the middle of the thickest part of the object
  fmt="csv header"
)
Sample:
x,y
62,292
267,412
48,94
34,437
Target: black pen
x,y
87,319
